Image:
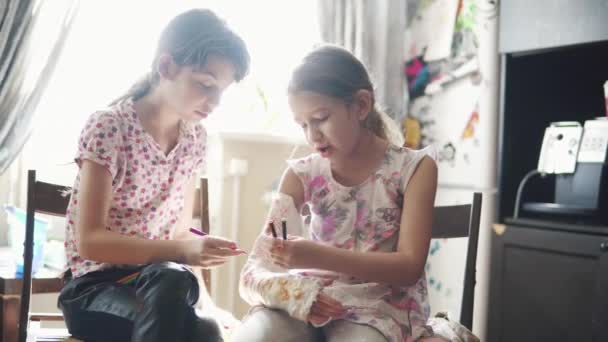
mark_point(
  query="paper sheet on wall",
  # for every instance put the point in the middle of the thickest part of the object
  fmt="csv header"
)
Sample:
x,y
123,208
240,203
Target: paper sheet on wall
x,y
432,30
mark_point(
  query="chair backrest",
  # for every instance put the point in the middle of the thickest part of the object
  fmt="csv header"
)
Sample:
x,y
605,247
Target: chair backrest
x,y
201,210
44,198
461,221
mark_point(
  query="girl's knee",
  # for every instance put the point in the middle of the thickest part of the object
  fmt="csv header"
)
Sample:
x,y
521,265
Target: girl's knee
x,y
206,329
346,331
167,273
167,281
274,325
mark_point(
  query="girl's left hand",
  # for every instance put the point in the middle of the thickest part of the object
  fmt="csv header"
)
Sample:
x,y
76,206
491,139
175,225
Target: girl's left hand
x,y
295,252
325,308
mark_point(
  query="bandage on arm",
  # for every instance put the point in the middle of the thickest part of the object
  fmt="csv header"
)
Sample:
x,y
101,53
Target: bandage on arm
x,y
264,283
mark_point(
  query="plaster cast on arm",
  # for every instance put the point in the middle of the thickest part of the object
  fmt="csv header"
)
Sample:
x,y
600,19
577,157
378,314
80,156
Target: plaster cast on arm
x,y
264,283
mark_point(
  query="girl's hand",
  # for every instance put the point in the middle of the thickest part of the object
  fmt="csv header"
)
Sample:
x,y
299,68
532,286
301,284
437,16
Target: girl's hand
x,y
209,251
295,252
324,309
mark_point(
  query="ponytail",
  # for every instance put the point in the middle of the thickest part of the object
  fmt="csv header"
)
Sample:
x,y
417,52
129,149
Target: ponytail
x,y
139,89
383,126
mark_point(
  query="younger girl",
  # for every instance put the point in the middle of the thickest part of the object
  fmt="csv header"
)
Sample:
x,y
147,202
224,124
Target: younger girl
x,y
134,194
357,273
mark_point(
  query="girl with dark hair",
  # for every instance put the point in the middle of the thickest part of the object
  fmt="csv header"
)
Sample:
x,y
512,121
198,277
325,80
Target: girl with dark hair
x,y
127,237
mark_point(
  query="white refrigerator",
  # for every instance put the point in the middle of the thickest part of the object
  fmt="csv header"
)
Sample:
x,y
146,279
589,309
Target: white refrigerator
x,y
460,118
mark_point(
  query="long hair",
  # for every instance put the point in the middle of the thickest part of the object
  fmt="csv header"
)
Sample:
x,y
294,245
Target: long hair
x,y
335,72
190,38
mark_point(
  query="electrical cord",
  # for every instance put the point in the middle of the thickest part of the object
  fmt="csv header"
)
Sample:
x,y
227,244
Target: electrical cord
x,y
520,189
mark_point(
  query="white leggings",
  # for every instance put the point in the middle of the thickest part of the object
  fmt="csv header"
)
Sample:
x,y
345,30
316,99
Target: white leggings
x,y
267,325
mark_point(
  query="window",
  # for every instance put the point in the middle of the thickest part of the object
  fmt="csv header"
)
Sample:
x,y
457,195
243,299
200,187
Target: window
x,y
112,44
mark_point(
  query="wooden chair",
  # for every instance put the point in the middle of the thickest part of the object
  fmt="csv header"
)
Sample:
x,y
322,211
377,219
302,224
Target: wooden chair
x,y
53,200
48,199
461,221
201,211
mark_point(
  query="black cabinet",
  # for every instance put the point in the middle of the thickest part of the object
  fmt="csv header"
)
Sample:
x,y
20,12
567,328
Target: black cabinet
x,y
600,306
548,285
549,279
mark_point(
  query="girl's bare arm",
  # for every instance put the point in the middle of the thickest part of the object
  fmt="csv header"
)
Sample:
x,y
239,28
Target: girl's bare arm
x,y
182,229
97,243
404,266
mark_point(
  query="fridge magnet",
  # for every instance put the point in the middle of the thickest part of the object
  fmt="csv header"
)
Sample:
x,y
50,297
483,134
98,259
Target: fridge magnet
x,y
448,154
417,75
469,130
412,132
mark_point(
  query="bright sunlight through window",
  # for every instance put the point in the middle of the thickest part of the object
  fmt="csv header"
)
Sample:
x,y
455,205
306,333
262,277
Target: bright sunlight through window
x,y
112,43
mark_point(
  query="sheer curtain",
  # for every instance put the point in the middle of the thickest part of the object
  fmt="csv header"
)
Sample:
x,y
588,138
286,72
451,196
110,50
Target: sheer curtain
x,y
375,32
32,37
26,64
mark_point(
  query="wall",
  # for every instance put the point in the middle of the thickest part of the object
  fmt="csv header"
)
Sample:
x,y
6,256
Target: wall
x,y
265,157
454,99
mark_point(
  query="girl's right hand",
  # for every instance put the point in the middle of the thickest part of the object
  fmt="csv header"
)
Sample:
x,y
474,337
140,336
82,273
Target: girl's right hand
x,y
209,251
325,308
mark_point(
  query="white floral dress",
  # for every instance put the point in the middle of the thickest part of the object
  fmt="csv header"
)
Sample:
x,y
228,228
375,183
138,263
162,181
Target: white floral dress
x,y
360,218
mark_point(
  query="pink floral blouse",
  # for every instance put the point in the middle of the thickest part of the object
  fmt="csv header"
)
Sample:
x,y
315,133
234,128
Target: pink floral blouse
x,y
148,186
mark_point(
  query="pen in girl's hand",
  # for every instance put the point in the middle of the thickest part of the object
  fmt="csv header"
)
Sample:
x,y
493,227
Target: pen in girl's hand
x,y
197,231
284,224
202,233
274,231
